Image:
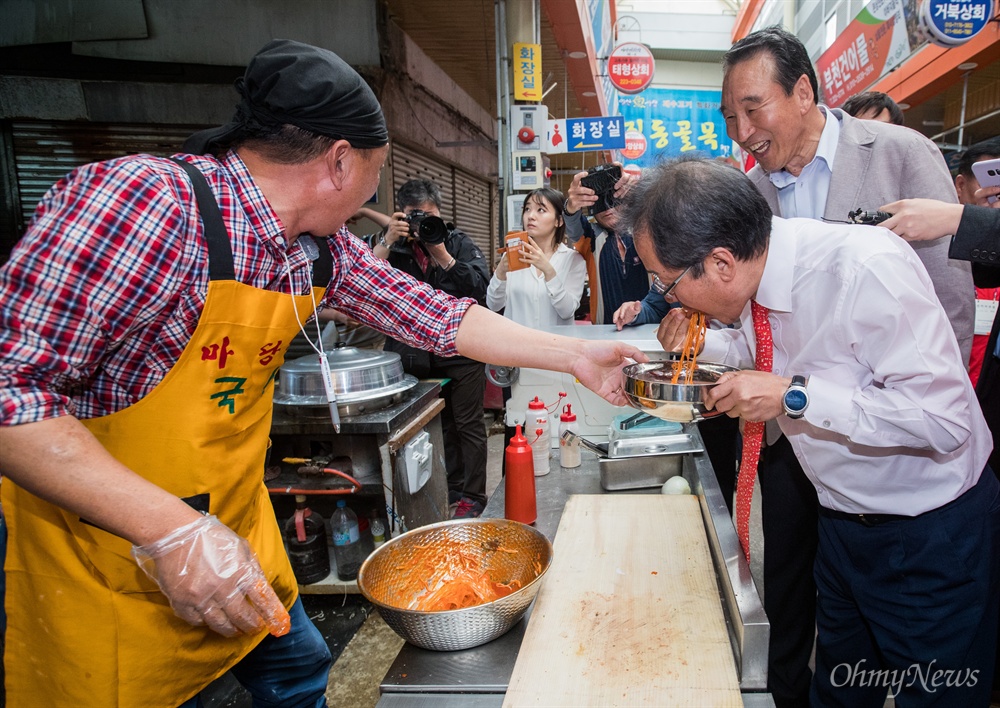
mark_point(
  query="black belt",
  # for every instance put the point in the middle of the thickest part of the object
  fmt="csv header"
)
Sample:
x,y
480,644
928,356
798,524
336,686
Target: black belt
x,y
863,519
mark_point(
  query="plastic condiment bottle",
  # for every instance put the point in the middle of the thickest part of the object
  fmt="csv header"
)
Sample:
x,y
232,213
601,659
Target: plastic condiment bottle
x,y
378,532
569,452
519,481
536,431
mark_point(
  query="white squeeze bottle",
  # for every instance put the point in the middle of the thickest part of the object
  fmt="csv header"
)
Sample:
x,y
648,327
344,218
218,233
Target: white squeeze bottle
x,y
538,420
569,452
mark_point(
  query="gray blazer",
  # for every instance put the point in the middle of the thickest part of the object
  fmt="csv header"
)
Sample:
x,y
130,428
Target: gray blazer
x,y
877,163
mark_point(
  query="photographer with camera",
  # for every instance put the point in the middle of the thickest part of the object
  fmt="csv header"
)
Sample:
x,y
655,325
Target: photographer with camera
x,y
419,242
615,272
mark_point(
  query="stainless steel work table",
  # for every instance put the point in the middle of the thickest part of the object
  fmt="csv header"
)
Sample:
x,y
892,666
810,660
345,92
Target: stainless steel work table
x,y
420,677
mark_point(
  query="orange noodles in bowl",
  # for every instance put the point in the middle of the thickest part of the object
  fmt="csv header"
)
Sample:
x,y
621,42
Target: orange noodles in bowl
x,y
693,341
444,576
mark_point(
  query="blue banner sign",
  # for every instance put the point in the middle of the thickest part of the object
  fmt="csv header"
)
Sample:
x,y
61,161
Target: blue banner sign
x,y
586,134
664,123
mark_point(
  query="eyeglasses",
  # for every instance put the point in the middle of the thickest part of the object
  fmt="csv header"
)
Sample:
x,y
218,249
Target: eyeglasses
x,y
665,290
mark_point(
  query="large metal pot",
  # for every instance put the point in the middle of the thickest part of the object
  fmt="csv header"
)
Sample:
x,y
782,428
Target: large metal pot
x,y
365,380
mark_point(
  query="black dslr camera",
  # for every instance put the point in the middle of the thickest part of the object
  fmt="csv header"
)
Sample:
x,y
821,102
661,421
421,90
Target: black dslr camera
x,y
427,227
602,180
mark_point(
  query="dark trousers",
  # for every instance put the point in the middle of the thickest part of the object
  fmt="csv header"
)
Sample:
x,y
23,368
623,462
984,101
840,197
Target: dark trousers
x,y
464,429
292,670
789,517
721,437
909,605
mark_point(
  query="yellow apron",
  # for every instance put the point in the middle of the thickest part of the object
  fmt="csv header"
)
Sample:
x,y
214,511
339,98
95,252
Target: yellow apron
x,y
85,626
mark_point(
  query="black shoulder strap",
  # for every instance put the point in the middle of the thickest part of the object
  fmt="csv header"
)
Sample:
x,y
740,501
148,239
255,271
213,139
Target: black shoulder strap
x,y
220,251
323,265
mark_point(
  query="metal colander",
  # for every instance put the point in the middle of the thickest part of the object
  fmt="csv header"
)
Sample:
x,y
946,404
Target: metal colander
x,y
449,630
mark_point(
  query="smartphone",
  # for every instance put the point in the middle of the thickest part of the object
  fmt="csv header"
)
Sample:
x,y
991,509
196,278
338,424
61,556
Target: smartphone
x,y
987,173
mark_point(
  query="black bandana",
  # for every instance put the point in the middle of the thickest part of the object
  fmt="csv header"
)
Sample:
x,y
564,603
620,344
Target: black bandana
x,y
306,86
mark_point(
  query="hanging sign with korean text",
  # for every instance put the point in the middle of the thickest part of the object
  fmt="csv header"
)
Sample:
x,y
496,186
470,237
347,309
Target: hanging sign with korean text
x,y
584,135
950,24
630,67
527,72
672,122
874,42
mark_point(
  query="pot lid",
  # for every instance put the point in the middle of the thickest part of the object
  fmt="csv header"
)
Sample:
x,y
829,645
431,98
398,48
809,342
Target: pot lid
x,y
343,359
357,374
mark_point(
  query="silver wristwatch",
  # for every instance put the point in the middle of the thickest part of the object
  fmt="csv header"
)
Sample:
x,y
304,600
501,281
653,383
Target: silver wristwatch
x,y
796,398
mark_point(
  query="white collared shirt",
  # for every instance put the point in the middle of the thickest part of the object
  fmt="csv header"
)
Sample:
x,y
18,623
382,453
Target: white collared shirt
x,y
893,425
805,196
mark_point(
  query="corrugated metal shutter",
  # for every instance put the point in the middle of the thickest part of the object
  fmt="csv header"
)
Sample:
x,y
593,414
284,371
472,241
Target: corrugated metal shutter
x,y
44,152
468,199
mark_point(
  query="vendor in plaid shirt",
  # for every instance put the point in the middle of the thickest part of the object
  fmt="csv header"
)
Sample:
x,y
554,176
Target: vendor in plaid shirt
x,y
137,353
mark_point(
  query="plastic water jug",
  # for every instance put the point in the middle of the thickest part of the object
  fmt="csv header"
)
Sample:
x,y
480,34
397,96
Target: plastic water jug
x,y
305,534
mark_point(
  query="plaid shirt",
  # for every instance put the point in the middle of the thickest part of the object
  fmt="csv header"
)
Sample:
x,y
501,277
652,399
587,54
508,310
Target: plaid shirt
x,y
104,291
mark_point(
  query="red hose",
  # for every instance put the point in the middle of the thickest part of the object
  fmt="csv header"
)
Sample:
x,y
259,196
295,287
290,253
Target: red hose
x,y
356,486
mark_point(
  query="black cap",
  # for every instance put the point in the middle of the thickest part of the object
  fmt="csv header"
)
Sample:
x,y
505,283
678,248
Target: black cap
x,y
306,86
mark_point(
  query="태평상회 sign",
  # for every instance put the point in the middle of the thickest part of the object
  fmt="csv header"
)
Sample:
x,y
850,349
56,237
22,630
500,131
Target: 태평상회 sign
x,y
630,67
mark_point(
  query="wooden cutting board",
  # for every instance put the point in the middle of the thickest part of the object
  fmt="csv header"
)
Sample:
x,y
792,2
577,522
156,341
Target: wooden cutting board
x,y
629,613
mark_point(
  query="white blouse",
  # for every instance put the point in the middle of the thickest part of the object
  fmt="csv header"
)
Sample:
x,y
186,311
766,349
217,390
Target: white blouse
x,y
531,301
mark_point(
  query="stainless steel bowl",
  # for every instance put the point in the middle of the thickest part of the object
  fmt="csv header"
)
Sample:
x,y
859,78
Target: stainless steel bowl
x,y
488,540
648,388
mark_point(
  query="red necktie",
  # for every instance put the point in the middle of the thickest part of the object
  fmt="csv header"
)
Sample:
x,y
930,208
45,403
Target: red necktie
x,y
753,433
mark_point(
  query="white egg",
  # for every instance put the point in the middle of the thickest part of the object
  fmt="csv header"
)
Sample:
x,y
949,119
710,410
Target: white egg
x,y
676,485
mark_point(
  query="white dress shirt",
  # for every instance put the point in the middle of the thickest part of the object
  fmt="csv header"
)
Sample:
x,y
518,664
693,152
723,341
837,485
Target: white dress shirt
x,y
531,301
805,196
893,425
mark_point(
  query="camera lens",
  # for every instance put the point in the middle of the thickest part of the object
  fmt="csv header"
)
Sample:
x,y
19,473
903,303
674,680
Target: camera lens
x,y
433,230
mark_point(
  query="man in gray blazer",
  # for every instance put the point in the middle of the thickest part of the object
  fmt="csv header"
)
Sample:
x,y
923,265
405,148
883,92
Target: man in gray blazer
x,y
819,163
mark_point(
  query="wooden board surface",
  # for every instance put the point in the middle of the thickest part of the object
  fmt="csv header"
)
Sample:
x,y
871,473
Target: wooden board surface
x,y
629,613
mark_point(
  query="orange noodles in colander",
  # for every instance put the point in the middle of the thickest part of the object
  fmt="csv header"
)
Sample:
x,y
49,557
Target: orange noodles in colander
x,y
444,576
693,341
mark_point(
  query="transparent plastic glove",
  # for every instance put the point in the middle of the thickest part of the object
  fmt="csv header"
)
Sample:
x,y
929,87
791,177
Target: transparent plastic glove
x,y
211,577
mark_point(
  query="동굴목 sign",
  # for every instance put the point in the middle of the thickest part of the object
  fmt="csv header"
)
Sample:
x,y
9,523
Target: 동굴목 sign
x,y
630,67
874,42
672,122
527,72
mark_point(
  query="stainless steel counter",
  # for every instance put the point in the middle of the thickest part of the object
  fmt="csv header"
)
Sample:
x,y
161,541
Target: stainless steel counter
x,y
487,669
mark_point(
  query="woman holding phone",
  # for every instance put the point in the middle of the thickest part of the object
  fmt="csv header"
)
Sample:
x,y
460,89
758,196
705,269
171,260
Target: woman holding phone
x,y
545,288
547,291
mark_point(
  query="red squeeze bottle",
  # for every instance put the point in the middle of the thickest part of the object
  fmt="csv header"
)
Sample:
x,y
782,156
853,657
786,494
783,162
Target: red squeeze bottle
x,y
519,482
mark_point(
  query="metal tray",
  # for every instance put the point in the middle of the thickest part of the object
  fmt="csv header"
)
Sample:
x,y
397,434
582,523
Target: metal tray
x,y
653,445
622,473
